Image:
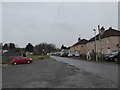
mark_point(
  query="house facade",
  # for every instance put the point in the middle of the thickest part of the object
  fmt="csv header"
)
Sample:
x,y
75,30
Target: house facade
x,y
106,41
1,47
79,48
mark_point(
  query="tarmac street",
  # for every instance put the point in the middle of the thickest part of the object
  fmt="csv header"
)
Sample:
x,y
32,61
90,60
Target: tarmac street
x,y
104,69
0,77
60,73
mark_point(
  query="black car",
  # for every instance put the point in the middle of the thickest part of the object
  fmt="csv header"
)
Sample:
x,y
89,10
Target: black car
x,y
64,55
114,56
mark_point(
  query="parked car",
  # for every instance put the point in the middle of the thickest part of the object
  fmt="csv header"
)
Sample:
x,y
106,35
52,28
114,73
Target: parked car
x,y
64,55
21,59
114,56
70,54
77,55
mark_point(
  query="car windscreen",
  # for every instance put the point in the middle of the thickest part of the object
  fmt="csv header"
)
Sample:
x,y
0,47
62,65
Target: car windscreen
x,y
114,53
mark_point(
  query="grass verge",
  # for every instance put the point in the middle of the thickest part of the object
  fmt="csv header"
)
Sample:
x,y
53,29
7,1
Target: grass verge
x,y
38,57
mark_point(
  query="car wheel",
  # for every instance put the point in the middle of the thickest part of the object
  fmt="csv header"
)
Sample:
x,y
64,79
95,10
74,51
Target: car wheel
x,y
115,59
14,63
28,62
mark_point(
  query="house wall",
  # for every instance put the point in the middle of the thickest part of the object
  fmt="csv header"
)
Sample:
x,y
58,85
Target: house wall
x,y
106,46
82,48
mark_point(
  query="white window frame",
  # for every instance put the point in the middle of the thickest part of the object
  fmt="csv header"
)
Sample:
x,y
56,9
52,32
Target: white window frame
x,y
107,40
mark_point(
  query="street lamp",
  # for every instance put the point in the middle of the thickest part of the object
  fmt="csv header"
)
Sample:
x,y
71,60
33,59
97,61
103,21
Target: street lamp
x,y
96,57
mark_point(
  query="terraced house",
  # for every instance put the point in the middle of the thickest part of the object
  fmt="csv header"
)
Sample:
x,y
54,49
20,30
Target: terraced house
x,y
79,48
106,41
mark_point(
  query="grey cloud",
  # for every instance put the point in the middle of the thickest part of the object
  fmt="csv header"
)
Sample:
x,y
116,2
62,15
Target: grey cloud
x,y
35,22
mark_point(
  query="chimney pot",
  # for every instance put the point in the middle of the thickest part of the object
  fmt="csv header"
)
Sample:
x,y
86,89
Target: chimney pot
x,y
79,39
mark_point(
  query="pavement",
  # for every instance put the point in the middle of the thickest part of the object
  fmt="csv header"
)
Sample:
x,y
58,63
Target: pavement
x,y
58,73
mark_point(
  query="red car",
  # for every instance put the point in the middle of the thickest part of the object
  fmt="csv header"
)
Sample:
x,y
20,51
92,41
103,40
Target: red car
x,y
21,59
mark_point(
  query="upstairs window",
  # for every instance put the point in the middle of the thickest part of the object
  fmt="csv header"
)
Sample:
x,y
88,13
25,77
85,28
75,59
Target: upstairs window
x,y
102,42
107,40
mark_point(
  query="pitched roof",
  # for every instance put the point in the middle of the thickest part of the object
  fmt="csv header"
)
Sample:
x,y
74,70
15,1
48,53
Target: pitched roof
x,y
83,41
109,32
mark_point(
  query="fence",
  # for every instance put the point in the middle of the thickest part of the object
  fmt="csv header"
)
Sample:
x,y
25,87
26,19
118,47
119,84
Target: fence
x,y
7,57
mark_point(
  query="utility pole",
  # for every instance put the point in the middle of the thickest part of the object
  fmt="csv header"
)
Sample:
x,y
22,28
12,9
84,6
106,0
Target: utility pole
x,y
96,57
99,41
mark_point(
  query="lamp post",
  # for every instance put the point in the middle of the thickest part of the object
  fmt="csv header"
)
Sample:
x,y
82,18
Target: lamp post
x,y
96,57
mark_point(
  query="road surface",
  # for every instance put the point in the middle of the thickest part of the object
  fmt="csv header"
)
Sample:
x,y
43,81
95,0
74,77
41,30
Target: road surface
x,y
59,73
0,77
108,71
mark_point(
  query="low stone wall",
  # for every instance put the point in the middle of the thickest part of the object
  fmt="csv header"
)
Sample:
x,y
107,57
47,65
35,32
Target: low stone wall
x,y
93,57
82,56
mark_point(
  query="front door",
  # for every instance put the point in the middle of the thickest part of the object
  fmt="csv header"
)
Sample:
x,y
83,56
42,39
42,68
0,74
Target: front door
x,y
108,51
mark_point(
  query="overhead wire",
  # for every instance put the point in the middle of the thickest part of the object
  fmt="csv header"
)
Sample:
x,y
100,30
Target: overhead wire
x,y
56,17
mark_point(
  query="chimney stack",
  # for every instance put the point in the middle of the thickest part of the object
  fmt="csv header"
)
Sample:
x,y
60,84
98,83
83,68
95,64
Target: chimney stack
x,y
99,28
102,30
79,39
110,27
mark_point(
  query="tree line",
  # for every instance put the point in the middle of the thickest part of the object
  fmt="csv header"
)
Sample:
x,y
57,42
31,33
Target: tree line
x,y
40,49
11,47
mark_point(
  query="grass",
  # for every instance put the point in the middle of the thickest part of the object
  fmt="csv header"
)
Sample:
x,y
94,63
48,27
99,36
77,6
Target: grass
x,y
38,57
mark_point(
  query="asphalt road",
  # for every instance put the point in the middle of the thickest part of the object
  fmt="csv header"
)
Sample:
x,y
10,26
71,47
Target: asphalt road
x,y
105,70
59,73
0,77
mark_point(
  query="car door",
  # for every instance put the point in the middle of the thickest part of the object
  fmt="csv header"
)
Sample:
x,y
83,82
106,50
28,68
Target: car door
x,y
18,60
23,60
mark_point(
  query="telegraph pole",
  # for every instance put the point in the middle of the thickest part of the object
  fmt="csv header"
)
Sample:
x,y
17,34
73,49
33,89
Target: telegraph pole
x,y
96,57
99,39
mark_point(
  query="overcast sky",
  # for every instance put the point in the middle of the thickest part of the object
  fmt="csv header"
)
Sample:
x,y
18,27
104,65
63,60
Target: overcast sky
x,y
57,23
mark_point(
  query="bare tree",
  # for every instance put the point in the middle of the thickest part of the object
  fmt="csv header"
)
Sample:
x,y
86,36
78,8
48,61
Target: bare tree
x,y
44,48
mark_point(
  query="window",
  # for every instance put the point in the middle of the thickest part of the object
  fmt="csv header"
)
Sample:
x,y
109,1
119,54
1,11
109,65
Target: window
x,y
98,42
102,51
18,58
93,44
107,40
99,50
108,50
23,58
102,42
